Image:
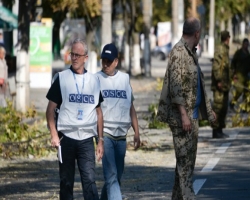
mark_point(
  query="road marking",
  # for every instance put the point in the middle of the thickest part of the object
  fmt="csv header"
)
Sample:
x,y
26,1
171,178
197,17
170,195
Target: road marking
x,y
210,165
223,148
198,183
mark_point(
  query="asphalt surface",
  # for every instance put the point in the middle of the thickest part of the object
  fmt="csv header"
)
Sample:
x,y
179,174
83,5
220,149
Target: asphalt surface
x,y
221,171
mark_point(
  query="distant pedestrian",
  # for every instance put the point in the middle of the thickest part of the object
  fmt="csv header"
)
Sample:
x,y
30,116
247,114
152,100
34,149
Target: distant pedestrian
x,y
1,40
119,114
221,83
182,103
241,67
79,120
3,77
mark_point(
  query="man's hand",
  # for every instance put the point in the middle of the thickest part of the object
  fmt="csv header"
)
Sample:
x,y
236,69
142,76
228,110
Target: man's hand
x,y
219,85
215,117
186,123
235,78
99,150
137,141
55,141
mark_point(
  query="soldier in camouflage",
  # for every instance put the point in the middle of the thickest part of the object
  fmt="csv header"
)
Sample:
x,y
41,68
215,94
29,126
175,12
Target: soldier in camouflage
x,y
241,67
182,103
221,83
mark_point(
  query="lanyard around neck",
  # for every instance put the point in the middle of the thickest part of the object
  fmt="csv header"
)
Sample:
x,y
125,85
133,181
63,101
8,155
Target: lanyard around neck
x,y
77,84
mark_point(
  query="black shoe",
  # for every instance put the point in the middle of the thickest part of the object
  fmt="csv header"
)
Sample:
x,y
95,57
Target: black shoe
x,y
215,133
218,134
223,134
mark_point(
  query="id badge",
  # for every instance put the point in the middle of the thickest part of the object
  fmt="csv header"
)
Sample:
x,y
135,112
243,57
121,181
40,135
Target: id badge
x,y
79,114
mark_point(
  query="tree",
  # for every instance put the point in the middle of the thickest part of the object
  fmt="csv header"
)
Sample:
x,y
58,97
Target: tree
x,y
90,10
225,10
161,11
22,74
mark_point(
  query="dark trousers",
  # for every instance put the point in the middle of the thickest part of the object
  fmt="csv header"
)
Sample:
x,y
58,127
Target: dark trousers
x,y
220,106
83,151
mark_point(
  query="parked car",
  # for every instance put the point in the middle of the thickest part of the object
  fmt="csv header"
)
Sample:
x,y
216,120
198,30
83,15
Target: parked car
x,y
198,50
161,52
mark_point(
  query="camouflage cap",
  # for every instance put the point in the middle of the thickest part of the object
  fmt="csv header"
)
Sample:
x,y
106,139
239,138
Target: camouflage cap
x,y
224,35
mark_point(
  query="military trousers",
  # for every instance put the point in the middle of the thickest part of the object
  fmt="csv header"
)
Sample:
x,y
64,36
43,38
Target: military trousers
x,y
240,87
185,145
220,107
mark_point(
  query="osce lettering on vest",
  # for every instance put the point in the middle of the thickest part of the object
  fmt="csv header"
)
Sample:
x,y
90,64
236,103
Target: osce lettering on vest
x,y
114,94
82,98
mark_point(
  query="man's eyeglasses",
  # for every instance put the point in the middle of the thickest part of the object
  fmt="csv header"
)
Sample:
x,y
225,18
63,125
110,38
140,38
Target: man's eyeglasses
x,y
75,55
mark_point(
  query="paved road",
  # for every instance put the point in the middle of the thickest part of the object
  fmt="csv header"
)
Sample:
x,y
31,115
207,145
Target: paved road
x,y
221,172
222,169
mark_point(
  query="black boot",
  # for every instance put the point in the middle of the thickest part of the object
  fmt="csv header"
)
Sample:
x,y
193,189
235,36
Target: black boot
x,y
218,134
223,134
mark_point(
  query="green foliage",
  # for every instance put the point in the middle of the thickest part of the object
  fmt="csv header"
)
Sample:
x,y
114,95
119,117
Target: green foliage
x,y
162,11
159,84
204,123
225,9
153,122
21,134
242,109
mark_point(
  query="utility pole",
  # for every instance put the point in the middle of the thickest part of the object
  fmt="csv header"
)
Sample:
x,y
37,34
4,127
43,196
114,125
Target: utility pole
x,y
106,22
147,17
211,29
22,62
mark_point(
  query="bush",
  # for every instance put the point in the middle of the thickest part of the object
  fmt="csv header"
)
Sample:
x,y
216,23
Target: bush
x,y
152,119
22,134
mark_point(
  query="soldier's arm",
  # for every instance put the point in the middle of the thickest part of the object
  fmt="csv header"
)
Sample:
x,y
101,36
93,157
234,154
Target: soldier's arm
x,y
176,69
177,93
217,64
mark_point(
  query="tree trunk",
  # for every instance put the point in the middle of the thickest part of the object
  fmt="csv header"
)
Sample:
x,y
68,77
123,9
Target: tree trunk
x,y
106,22
136,54
126,36
22,74
92,59
222,25
147,16
211,29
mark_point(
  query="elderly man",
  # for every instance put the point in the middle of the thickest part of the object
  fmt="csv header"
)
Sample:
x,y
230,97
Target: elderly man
x,y
77,93
183,101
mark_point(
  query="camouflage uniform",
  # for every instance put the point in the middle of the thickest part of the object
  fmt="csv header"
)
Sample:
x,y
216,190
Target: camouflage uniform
x,y
241,67
221,72
180,87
